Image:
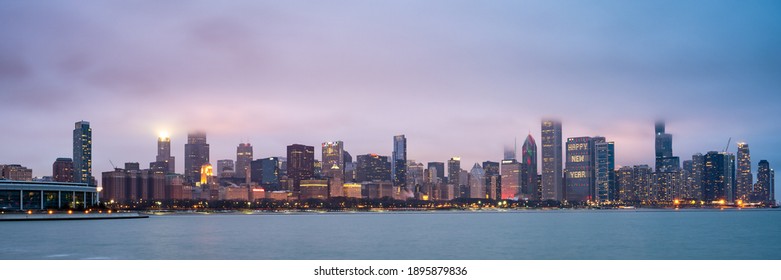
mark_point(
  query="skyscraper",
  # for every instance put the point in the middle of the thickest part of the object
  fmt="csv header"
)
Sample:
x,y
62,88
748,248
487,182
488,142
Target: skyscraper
x,y
164,153
763,188
300,164
62,170
552,188
493,181
580,169
196,155
529,169
745,180
399,161
477,182
333,154
717,177
605,164
453,169
626,184
226,167
373,167
665,161
511,179
243,159
439,168
82,153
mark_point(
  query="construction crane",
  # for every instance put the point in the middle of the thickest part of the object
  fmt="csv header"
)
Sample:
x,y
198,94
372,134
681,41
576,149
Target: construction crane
x,y
727,148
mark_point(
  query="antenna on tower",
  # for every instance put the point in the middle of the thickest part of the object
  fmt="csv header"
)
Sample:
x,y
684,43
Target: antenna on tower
x,y
515,148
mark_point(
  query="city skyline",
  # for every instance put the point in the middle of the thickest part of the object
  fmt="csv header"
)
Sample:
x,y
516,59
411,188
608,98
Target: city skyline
x,y
466,94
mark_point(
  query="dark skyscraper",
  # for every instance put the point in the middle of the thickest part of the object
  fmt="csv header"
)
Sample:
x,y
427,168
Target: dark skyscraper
x,y
62,170
440,169
244,157
82,153
300,164
529,169
552,187
453,170
399,161
717,177
580,168
665,161
744,177
196,154
373,167
763,190
164,157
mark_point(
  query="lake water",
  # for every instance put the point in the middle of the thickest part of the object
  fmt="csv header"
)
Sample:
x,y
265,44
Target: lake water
x,y
556,234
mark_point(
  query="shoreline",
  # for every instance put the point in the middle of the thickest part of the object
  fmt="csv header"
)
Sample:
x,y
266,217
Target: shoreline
x,y
64,217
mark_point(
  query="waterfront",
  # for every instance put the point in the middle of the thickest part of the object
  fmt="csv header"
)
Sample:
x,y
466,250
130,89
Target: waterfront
x,y
536,234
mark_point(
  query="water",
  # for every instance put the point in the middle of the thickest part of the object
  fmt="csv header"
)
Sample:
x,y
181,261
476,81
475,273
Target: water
x,y
561,234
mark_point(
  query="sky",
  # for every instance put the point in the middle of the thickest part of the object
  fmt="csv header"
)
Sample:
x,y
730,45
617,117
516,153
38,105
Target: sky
x,y
458,78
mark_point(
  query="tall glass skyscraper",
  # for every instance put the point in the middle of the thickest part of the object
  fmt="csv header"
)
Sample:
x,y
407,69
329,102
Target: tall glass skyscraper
x,y
717,180
745,180
552,187
763,190
82,153
529,169
604,168
399,161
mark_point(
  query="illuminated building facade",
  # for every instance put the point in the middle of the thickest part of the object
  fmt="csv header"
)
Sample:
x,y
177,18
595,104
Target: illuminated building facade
x,y
196,154
244,157
529,170
314,189
552,185
207,174
399,161
82,153
300,164
580,169
22,195
62,170
333,166
511,179
745,179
